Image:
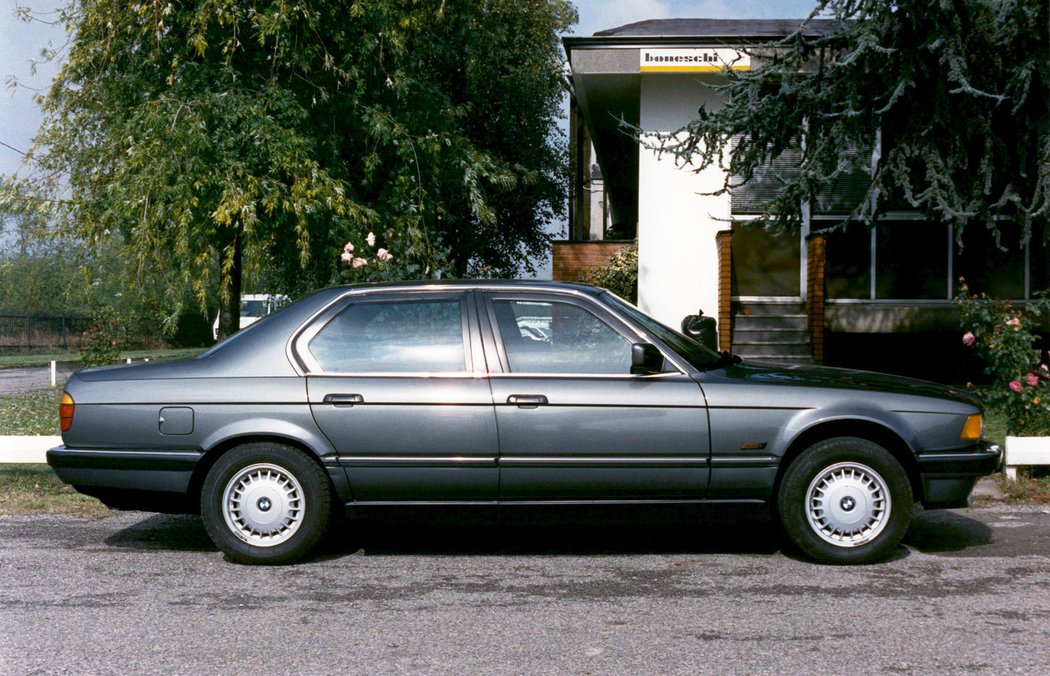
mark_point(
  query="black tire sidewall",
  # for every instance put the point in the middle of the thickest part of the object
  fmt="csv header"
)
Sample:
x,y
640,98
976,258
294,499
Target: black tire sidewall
x,y
791,500
316,494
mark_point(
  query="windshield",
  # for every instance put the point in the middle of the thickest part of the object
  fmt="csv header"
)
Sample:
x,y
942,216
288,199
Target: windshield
x,y
692,351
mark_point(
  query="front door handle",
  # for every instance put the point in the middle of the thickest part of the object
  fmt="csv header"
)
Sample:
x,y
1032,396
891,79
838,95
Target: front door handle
x,y
343,399
527,400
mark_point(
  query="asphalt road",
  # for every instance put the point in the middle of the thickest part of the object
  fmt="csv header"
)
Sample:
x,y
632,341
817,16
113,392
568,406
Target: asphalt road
x,y
140,593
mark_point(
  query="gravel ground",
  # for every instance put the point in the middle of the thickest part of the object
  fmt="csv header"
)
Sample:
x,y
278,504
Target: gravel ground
x,y
23,381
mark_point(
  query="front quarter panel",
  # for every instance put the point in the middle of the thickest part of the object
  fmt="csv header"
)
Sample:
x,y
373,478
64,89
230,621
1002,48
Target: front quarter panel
x,y
754,424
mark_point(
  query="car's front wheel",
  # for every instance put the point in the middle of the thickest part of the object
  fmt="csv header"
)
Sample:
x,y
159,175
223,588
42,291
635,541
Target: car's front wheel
x,y
845,500
266,503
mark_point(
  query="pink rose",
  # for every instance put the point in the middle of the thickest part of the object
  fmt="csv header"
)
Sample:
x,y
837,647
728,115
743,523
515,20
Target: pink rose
x,y
358,262
1014,323
1032,379
1044,367
347,256
349,248
969,340
383,255
371,239
1015,385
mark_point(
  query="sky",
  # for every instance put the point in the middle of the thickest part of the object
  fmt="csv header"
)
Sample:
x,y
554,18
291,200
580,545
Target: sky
x,y
21,44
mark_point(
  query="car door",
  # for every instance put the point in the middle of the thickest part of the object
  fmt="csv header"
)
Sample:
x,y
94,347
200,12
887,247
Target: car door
x,y
392,382
574,423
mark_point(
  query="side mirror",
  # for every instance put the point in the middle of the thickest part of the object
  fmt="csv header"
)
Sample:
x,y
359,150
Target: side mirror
x,y
646,359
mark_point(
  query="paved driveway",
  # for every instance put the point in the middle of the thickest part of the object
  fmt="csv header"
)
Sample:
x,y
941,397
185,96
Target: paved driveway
x,y
970,592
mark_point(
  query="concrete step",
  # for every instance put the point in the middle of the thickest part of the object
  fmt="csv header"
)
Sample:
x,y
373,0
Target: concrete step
x,y
757,309
775,335
763,322
772,349
780,360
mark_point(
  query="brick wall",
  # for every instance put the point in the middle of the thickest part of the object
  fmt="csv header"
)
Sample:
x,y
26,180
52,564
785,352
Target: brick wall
x,y
725,289
572,261
815,258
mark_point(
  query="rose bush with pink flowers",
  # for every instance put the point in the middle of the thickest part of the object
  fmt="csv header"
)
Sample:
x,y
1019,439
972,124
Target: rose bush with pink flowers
x,y
100,344
372,259
1002,336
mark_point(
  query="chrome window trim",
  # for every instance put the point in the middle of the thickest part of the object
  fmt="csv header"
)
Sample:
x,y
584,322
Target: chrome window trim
x,y
299,364
585,301
304,363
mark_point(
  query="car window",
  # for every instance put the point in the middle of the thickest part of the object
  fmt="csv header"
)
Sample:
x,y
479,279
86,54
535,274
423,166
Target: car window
x,y
556,337
423,336
695,353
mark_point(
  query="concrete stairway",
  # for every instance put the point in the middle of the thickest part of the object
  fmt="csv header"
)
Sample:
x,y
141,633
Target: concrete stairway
x,y
772,331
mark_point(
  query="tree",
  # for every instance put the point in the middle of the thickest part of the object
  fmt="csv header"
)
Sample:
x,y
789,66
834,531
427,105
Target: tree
x,y
956,92
226,136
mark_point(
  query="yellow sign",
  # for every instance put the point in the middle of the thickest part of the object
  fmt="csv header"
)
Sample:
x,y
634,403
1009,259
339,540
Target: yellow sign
x,y
695,60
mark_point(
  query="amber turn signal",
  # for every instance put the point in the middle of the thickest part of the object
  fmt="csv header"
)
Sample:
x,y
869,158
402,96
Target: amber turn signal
x,y
65,412
971,431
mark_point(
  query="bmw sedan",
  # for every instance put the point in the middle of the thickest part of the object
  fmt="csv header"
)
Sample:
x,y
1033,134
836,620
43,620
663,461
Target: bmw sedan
x,y
508,393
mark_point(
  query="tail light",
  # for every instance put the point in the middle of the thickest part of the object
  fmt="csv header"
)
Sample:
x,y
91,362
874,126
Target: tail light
x,y
65,412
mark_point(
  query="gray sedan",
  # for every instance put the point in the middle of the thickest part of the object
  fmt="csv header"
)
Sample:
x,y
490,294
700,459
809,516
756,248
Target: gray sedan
x,y
501,394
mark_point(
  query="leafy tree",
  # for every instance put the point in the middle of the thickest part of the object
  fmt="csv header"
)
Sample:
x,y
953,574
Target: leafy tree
x,y
956,91
228,137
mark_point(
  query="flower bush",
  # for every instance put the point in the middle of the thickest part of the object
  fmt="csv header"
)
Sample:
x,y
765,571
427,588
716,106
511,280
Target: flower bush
x,y
1002,336
367,261
101,343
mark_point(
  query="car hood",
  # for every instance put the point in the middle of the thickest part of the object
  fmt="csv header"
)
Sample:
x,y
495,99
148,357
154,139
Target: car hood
x,y
844,379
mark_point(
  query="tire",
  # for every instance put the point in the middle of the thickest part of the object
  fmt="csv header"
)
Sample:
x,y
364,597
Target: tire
x,y
266,503
845,501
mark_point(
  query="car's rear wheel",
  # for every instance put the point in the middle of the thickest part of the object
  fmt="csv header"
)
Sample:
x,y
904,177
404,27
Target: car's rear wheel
x,y
845,500
266,503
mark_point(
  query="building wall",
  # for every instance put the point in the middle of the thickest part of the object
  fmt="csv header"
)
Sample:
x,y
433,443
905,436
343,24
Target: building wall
x,y
677,224
573,261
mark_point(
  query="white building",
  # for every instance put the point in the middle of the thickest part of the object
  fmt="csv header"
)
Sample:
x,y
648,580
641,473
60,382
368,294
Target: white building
x,y
803,297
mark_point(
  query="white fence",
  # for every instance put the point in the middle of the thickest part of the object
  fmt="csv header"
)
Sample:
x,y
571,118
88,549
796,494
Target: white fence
x,y
26,449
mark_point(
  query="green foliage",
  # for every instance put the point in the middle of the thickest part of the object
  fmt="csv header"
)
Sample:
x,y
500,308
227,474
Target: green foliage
x,y
1003,338
620,275
102,342
223,137
958,89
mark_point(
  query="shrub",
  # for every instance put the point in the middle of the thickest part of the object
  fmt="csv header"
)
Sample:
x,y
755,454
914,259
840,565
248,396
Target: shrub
x,y
101,343
1003,338
620,275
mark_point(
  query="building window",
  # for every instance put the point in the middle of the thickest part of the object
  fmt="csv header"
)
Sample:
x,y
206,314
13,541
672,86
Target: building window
x,y
847,269
987,267
764,263
918,260
911,260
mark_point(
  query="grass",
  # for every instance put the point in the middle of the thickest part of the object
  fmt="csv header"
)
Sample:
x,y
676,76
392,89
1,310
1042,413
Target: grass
x,y
34,489
35,413
36,359
1032,485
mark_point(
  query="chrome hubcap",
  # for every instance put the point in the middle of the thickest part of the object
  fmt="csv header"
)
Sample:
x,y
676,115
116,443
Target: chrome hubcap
x,y
848,504
263,505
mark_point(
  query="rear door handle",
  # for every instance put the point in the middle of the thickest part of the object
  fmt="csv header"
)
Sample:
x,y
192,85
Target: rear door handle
x,y
527,400
343,399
